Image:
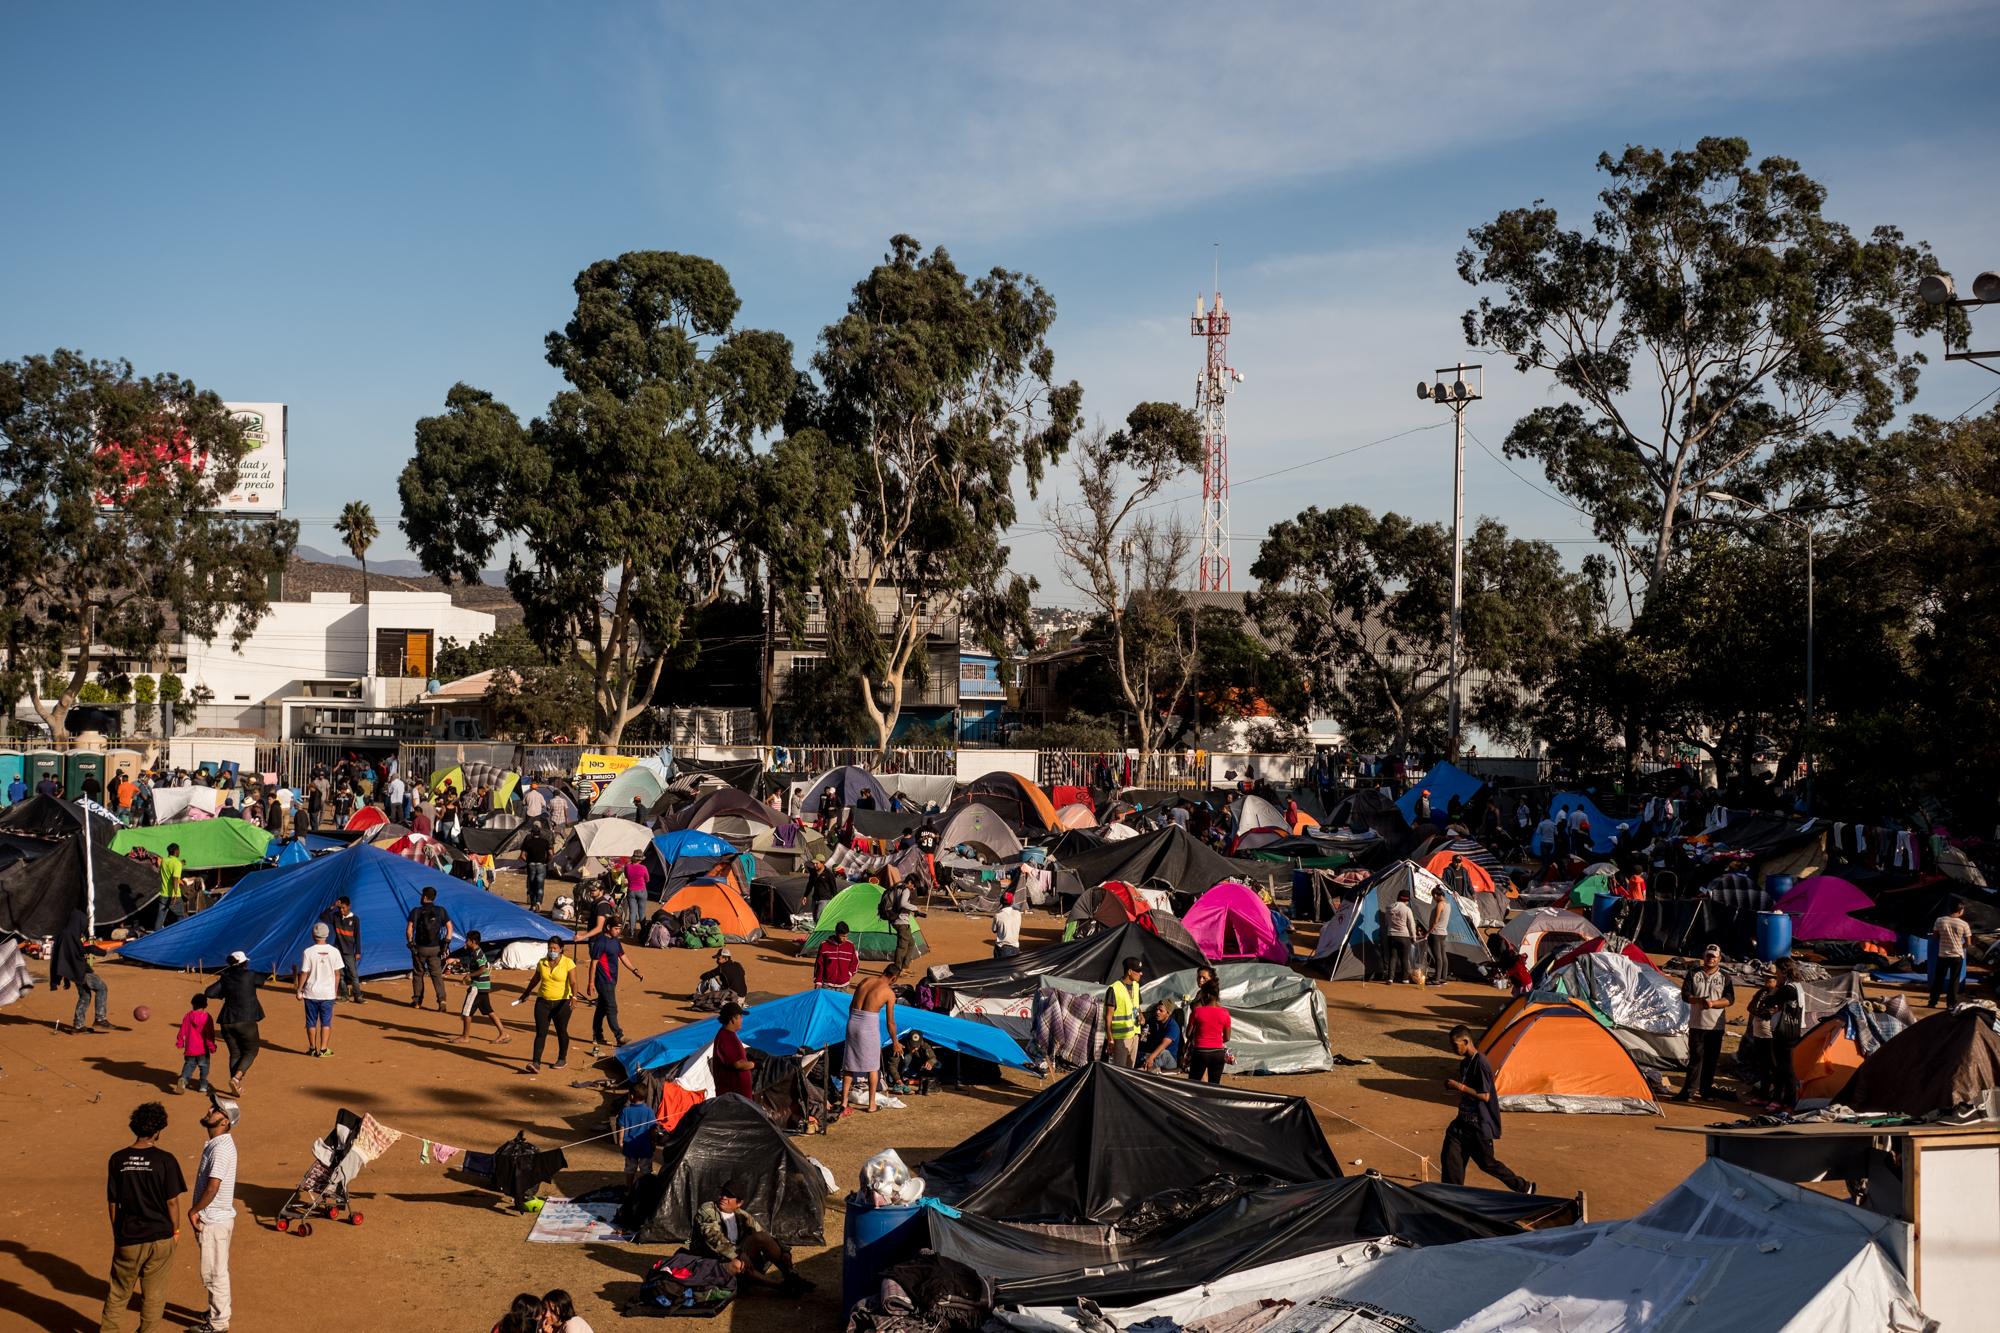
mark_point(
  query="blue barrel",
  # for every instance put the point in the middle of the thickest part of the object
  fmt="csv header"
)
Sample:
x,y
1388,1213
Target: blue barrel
x,y
1777,886
1919,949
1604,911
1937,963
1774,936
875,1238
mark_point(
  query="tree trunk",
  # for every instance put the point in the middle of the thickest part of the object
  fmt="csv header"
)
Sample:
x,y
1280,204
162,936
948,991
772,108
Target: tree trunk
x,y
767,694
363,558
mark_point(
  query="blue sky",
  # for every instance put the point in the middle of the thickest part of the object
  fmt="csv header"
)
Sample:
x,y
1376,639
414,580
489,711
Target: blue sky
x,y
347,208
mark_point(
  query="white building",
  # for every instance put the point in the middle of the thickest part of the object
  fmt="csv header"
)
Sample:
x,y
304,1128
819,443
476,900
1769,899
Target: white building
x,y
328,667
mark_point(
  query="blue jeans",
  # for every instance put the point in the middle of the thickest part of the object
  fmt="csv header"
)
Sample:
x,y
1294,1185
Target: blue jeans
x,y
192,1065
538,875
92,984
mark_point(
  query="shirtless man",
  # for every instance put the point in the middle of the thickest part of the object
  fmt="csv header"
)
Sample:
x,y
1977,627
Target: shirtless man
x,y
875,996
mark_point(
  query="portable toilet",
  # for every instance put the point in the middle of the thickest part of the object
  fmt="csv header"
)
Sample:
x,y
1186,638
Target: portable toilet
x,y
44,764
12,765
83,764
129,762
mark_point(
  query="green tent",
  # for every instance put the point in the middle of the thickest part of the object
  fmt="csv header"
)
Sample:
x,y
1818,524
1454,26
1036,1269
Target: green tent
x,y
206,844
1589,889
859,906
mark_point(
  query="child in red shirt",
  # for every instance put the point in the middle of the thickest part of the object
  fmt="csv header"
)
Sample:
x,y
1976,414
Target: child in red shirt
x,y
196,1040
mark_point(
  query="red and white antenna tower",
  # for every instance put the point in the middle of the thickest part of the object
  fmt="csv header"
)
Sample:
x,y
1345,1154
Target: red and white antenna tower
x,y
1211,399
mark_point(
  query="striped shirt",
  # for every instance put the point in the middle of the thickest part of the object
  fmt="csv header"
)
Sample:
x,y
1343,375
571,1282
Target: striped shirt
x,y
218,1163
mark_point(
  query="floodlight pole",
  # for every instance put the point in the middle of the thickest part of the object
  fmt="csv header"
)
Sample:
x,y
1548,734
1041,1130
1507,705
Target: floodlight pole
x,y
1457,395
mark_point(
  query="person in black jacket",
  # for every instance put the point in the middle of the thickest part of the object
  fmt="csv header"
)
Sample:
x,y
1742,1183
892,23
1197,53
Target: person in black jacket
x,y
236,987
344,929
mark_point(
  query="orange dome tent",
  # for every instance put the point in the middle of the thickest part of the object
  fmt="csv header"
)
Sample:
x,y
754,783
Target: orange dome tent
x,y
719,899
1560,1058
1477,877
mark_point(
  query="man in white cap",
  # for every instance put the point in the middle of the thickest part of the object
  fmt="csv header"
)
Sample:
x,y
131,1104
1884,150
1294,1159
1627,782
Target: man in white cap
x,y
318,984
212,1213
1709,993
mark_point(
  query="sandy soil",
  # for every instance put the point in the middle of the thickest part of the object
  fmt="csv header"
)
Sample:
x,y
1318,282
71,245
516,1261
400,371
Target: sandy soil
x,y
435,1254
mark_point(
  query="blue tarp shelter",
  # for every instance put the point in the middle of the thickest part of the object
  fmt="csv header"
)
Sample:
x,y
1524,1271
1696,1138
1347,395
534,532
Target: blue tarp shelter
x,y
676,858
269,915
1444,781
1603,828
291,852
814,1020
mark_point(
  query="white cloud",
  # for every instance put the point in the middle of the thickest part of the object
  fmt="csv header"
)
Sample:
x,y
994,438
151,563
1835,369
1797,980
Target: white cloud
x,y
848,121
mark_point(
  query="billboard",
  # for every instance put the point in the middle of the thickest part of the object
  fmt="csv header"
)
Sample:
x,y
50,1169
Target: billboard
x,y
594,772
260,478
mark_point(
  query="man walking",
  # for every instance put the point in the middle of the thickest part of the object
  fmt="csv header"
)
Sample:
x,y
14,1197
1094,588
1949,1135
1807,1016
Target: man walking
x,y
1122,1017
535,853
346,938
1709,993
318,985
1950,936
901,910
141,1186
478,993
428,933
1472,1133
212,1214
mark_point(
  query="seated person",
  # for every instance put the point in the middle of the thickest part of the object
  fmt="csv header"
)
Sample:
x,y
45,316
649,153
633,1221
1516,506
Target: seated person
x,y
1160,1043
913,1064
725,978
728,1232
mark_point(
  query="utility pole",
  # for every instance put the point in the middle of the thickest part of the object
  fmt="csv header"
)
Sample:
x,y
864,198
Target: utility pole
x,y
1457,395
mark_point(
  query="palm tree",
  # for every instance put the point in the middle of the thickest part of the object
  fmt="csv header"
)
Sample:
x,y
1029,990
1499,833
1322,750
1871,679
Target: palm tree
x,y
356,527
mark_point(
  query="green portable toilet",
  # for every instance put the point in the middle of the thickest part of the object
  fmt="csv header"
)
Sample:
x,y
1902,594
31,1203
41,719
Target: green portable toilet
x,y
12,765
44,764
83,764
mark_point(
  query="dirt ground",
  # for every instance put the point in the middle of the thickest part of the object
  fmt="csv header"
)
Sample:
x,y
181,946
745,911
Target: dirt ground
x,y
432,1253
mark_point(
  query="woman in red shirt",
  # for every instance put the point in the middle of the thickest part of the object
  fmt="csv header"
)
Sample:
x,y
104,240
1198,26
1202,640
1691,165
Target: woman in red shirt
x,y
1207,1035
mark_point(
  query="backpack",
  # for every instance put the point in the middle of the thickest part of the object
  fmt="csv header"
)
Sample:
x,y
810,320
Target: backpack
x,y
885,906
426,930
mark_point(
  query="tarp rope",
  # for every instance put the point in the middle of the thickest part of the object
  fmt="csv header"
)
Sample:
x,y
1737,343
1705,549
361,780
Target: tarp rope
x,y
1423,1162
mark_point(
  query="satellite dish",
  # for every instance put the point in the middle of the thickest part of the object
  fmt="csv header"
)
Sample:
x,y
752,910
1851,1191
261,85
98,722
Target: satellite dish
x,y
1987,286
1423,390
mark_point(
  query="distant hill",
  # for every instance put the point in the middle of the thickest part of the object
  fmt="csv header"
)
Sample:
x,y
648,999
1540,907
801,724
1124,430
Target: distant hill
x,y
402,569
306,573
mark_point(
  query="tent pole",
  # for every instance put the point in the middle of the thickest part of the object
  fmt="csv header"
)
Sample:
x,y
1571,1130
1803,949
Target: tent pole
x,y
89,877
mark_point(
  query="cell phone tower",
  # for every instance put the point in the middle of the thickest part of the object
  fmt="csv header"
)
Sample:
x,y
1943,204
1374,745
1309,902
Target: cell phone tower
x,y
1211,405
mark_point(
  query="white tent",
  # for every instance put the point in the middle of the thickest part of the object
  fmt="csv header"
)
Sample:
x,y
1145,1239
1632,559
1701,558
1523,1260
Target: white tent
x,y
172,805
1727,1251
596,841
923,790
1547,931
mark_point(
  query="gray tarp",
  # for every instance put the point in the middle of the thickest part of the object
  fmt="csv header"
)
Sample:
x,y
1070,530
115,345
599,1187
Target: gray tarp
x,y
1644,1006
1277,1017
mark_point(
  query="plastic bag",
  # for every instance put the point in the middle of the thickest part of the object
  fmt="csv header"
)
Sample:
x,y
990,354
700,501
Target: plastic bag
x,y
886,1180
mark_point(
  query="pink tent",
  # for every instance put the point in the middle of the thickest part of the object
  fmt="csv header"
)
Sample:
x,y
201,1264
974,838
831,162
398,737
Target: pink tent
x,y
1230,922
1820,907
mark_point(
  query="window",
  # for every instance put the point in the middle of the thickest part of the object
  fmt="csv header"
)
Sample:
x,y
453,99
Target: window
x,y
972,671
403,652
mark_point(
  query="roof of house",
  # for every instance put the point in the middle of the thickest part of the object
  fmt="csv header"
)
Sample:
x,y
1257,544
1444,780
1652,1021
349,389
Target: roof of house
x,y
303,578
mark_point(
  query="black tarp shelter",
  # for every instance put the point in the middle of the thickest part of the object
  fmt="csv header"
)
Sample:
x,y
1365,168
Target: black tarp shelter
x,y
1105,1138
1098,957
728,1139
37,897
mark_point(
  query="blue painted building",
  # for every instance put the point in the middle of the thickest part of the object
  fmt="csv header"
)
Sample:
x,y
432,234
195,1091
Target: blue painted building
x,y
982,698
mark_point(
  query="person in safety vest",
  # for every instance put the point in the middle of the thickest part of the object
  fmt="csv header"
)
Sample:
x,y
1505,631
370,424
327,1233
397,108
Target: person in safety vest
x,y
1122,1016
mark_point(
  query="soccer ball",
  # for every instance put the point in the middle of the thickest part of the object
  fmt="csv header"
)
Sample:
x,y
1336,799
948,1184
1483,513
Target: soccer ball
x,y
142,1013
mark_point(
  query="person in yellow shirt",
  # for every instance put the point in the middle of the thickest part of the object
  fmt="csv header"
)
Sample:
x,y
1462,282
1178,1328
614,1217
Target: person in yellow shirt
x,y
551,989
173,871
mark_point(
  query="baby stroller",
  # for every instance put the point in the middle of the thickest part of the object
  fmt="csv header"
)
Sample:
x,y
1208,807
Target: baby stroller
x,y
323,1191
